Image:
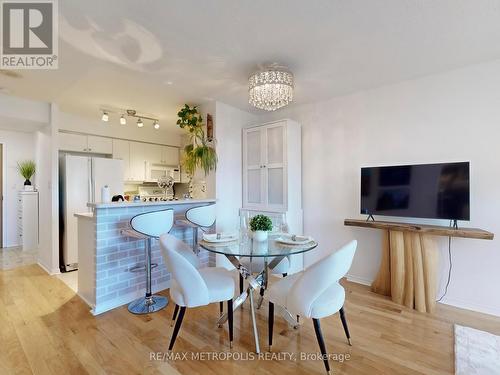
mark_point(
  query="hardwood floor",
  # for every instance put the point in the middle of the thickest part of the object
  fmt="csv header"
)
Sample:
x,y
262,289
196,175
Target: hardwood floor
x,y
46,329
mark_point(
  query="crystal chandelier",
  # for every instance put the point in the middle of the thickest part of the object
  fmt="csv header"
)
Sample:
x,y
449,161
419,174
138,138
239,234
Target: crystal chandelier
x,y
270,89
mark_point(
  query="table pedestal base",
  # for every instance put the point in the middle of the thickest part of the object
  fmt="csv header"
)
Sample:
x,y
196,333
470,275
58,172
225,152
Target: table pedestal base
x,y
408,270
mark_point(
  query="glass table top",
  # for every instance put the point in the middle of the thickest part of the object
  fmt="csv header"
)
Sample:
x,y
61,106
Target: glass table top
x,y
247,247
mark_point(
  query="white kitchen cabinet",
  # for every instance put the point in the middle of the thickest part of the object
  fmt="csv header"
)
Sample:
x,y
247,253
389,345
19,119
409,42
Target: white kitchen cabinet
x,y
272,166
99,145
170,155
85,143
72,142
153,154
121,150
27,222
138,156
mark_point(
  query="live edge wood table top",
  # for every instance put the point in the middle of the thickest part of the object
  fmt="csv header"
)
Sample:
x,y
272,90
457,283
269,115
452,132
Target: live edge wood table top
x,y
410,256
432,230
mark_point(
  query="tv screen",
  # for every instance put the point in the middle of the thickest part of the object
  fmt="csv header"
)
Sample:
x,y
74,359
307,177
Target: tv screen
x,y
433,191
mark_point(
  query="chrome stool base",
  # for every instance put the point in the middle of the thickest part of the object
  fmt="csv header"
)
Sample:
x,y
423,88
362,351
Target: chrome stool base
x,y
147,305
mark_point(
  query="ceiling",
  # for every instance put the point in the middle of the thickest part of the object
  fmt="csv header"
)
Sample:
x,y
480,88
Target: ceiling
x,y
155,55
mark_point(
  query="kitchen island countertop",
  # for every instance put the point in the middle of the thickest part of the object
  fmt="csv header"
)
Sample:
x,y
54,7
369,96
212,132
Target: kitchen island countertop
x,y
140,204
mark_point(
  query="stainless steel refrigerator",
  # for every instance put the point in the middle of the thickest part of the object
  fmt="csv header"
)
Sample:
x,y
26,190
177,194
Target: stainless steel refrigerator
x,y
80,181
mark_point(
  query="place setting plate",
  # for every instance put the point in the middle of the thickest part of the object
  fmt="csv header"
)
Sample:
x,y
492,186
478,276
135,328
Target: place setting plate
x,y
220,237
292,239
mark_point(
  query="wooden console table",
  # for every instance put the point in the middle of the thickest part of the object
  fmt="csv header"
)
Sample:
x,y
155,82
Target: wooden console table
x,y
410,257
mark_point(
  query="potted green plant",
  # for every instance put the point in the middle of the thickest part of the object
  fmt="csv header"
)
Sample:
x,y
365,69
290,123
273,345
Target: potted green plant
x,y
260,225
200,151
27,169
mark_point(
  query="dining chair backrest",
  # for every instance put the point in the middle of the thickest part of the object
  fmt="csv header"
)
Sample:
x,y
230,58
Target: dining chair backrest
x,y
319,277
203,216
153,224
182,248
193,287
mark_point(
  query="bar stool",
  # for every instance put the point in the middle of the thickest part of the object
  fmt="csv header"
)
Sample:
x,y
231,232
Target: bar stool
x,y
200,217
147,226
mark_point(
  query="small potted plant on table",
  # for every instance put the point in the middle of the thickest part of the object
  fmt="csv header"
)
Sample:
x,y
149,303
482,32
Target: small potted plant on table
x,y
260,225
27,169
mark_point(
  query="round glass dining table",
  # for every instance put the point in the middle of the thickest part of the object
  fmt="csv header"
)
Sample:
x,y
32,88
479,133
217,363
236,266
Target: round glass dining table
x,y
272,251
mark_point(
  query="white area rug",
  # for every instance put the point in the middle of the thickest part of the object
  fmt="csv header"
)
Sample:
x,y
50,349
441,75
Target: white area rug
x,y
476,352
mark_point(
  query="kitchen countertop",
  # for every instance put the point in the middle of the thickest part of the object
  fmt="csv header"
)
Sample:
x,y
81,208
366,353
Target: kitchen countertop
x,y
139,204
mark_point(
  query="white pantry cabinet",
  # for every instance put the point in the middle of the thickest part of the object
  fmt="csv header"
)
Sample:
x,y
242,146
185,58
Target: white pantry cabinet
x,y
272,176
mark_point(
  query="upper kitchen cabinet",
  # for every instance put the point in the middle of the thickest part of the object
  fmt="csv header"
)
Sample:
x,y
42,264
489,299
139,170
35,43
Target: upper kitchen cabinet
x,y
72,142
272,176
99,145
85,143
139,153
121,150
170,155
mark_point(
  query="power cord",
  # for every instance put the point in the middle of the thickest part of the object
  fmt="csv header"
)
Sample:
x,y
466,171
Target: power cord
x,y
450,268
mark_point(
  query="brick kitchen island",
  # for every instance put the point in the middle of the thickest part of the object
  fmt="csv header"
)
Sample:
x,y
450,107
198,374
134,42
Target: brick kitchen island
x,y
106,257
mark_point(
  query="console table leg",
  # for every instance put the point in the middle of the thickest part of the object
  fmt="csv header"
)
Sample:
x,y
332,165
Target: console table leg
x,y
382,283
430,260
397,254
418,273
409,295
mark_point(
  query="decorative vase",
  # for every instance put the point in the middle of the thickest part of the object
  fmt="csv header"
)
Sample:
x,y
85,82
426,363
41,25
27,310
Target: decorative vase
x,y
260,235
27,182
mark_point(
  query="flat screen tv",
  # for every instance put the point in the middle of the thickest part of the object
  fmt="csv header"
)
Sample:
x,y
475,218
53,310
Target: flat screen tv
x,y
433,191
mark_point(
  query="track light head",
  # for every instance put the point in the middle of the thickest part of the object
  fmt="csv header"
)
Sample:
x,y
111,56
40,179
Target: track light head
x,y
140,124
105,116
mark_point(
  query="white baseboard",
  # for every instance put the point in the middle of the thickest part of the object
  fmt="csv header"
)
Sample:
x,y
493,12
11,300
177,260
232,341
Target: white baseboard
x,y
482,308
125,299
359,280
46,269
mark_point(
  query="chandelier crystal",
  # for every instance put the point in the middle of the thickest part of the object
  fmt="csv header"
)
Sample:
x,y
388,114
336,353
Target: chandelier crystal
x,y
270,89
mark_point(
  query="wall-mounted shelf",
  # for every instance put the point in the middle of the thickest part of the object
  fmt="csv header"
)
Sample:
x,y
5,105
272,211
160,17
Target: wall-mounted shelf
x,y
431,230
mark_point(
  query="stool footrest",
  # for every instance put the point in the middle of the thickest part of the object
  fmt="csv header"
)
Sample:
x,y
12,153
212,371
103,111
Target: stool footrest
x,y
142,267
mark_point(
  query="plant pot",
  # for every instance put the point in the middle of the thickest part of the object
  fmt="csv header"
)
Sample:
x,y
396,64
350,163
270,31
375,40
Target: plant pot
x,y
260,235
27,182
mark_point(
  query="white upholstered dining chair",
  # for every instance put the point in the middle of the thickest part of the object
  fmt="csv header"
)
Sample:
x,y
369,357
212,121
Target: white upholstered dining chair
x,y
315,293
192,286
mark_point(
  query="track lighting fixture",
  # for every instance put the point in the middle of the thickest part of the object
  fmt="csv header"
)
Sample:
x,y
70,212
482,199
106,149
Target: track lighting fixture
x,y
124,113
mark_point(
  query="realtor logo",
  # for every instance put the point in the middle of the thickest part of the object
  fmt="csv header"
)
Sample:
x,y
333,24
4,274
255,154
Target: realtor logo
x,y
29,34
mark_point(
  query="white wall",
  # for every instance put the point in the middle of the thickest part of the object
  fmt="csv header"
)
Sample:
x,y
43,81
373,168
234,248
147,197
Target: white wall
x,y
448,117
17,146
228,124
44,158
